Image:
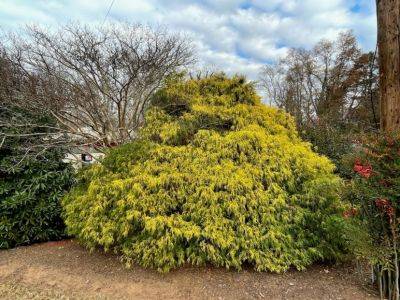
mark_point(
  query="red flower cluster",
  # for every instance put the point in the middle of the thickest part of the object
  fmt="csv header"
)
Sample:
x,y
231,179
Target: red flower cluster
x,y
352,212
364,170
386,207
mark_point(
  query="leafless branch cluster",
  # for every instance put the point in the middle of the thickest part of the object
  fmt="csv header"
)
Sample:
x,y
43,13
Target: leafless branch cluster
x,y
334,80
96,82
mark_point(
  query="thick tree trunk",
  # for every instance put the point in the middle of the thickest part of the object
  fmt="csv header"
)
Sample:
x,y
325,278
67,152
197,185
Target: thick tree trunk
x,y
388,12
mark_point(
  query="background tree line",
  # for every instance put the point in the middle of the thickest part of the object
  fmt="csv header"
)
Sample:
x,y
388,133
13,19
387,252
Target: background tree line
x,y
334,82
332,90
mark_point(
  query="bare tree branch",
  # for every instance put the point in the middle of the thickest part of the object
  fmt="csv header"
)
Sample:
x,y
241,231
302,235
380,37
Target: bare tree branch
x,y
333,81
97,82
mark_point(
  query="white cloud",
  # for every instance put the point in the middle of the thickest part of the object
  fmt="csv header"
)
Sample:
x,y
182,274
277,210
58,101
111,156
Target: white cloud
x,y
237,36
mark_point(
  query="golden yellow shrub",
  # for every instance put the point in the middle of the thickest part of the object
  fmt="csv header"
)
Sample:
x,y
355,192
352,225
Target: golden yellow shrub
x,y
216,177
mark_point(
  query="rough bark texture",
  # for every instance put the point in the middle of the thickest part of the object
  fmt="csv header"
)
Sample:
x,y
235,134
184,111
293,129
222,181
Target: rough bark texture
x,y
388,12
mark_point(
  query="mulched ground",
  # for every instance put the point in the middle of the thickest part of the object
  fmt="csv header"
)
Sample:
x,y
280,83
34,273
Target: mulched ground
x,y
65,270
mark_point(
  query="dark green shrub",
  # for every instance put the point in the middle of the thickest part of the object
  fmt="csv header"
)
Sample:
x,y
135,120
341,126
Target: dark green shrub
x,y
30,187
221,179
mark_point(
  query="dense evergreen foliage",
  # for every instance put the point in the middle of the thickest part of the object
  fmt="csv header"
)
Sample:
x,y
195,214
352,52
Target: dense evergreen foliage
x,y
32,183
216,177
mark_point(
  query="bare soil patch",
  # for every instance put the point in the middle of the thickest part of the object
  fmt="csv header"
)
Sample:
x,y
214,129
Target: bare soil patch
x,y
65,270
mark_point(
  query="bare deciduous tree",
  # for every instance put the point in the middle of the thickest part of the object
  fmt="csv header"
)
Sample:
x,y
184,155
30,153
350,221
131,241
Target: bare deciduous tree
x,y
23,133
332,81
96,82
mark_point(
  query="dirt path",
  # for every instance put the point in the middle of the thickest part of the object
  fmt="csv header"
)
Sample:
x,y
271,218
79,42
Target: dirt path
x,y
64,270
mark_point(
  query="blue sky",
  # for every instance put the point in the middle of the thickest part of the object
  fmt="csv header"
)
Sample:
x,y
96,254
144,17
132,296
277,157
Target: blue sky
x,y
237,36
